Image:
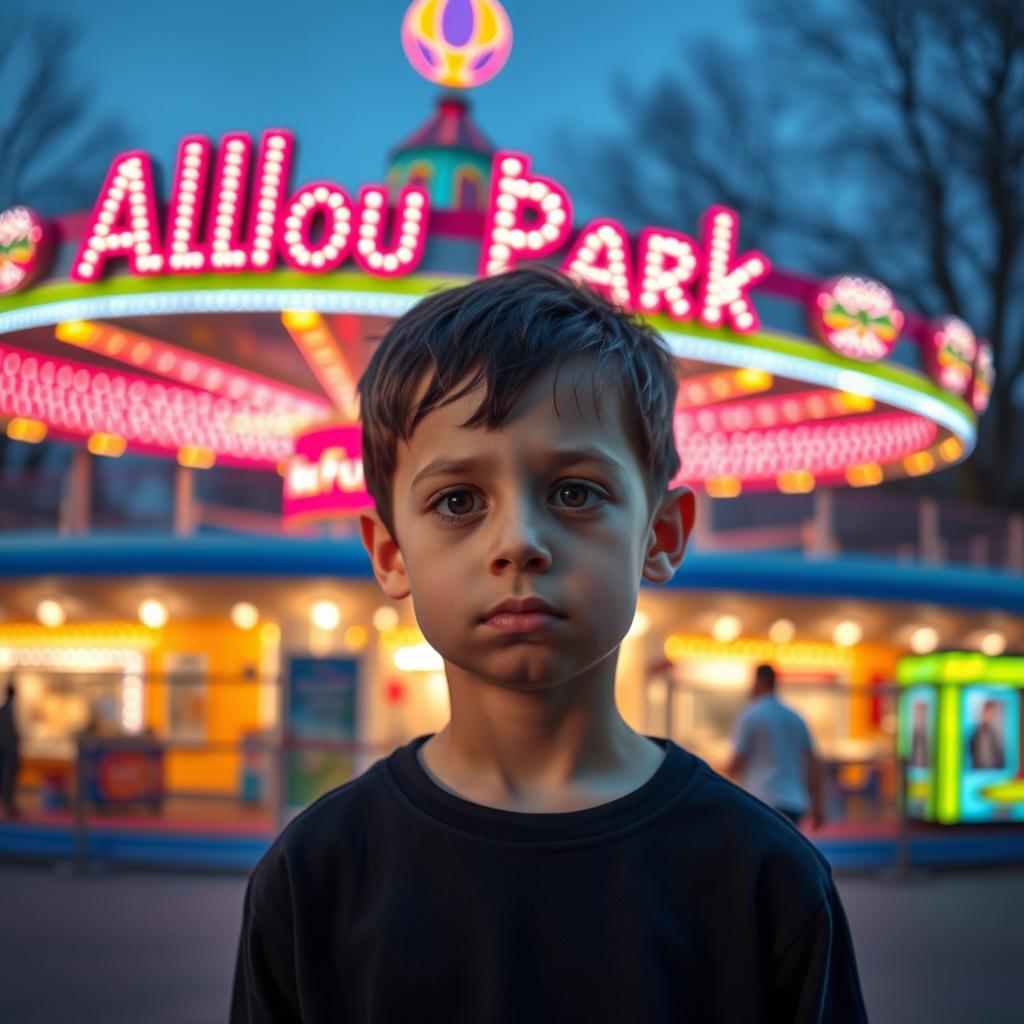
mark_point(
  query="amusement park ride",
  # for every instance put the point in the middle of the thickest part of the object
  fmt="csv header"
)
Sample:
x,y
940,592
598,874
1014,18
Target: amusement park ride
x,y
229,324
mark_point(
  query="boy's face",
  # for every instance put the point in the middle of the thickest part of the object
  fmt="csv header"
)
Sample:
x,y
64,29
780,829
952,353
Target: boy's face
x,y
576,533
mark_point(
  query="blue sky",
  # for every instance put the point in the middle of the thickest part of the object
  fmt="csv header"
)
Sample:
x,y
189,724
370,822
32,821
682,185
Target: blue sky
x,y
334,72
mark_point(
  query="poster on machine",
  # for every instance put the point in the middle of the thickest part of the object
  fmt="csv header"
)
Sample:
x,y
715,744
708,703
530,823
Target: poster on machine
x,y
320,727
918,713
992,784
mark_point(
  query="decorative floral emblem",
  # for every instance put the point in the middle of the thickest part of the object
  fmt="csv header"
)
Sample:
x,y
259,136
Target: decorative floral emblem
x,y
857,317
21,248
984,377
457,43
952,353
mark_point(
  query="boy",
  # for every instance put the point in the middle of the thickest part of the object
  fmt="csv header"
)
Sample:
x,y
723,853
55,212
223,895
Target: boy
x,y
536,860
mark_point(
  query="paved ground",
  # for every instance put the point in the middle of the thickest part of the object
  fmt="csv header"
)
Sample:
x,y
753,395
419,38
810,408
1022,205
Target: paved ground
x,y
159,949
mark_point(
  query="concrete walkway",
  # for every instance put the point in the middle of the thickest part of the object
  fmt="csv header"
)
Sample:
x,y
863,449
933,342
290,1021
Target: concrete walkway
x,y
160,948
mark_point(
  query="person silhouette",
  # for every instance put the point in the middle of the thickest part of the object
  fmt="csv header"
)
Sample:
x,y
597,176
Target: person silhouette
x,y
9,755
774,756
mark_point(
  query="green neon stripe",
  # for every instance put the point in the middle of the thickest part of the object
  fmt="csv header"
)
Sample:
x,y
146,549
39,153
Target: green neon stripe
x,y
283,280
960,668
947,797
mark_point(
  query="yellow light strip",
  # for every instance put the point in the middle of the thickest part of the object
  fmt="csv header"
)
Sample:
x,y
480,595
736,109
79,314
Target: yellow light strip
x,y
193,456
847,401
680,646
867,474
751,380
319,347
723,486
951,449
29,431
709,388
919,463
31,634
798,481
110,445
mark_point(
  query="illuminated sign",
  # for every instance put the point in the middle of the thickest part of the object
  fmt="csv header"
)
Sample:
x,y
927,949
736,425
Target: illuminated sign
x,y
23,248
144,412
951,352
232,211
857,317
973,733
457,43
319,227
325,474
984,377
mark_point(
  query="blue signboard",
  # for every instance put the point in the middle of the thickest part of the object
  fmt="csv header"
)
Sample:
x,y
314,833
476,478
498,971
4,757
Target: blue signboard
x,y
320,726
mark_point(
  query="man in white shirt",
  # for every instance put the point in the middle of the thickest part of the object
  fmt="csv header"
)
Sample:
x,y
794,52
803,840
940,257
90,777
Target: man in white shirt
x,y
774,755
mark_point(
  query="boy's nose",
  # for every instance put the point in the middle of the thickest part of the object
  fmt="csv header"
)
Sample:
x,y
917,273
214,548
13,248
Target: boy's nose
x,y
520,540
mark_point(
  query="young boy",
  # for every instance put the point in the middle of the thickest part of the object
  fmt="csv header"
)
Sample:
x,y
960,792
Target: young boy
x,y
536,860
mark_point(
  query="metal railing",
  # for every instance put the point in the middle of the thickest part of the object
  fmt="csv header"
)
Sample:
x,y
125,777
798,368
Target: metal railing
x,y
907,527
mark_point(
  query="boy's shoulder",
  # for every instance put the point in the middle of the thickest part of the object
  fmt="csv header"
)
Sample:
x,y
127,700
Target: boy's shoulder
x,y
740,818
321,838
753,850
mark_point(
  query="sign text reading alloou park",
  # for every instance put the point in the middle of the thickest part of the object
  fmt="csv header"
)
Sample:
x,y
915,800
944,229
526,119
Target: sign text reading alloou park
x,y
232,211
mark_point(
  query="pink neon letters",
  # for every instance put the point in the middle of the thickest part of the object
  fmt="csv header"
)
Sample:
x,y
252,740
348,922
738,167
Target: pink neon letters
x,y
123,222
726,280
528,216
600,259
668,262
409,235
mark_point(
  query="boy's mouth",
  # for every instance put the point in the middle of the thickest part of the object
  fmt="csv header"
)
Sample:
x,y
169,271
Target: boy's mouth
x,y
523,622
522,615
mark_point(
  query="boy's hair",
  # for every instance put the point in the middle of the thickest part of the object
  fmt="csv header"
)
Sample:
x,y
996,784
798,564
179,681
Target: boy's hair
x,y
765,675
507,331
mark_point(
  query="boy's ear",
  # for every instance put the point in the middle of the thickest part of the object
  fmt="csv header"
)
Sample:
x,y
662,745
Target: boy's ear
x,y
670,527
388,564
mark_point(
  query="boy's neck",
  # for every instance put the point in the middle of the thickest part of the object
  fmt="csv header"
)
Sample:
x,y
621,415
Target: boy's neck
x,y
516,766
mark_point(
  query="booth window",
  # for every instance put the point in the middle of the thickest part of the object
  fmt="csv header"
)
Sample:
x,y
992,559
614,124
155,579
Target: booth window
x,y
188,696
468,189
420,173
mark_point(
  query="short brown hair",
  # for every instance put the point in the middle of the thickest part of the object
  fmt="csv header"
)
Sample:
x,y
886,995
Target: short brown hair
x,y
509,330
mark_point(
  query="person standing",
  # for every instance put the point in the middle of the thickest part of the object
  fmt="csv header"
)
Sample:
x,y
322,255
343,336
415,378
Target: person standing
x,y
773,754
9,758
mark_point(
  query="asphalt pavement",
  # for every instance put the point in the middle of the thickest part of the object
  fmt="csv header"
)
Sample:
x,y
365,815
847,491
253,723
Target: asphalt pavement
x,y
144,948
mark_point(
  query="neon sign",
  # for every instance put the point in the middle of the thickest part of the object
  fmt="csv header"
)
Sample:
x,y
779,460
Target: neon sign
x,y
23,248
232,211
856,317
528,217
984,377
457,43
951,354
325,474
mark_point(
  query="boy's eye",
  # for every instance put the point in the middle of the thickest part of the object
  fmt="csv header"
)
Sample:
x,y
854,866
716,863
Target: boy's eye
x,y
574,495
458,503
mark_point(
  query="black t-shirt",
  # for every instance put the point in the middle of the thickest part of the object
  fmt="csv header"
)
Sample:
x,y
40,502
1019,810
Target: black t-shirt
x,y
390,899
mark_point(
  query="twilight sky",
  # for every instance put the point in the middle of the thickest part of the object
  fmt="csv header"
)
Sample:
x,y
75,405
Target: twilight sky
x,y
334,72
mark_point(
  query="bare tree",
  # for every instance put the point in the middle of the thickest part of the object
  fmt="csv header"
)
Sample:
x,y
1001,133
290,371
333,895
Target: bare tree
x,y
883,137
52,153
